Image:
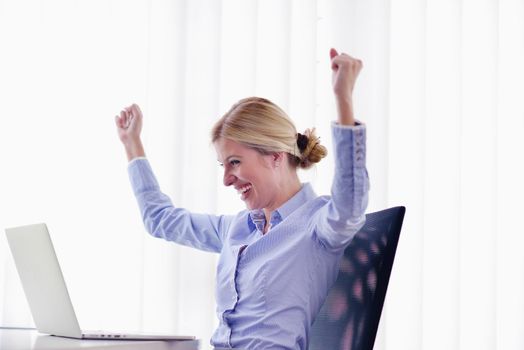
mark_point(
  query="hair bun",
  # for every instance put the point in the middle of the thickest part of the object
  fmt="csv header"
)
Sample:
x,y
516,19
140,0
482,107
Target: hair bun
x,y
302,141
311,151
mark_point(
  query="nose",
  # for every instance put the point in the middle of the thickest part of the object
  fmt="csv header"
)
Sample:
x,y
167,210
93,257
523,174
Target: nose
x,y
229,178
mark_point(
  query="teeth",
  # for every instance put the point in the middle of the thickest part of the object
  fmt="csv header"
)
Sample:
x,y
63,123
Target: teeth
x,y
243,189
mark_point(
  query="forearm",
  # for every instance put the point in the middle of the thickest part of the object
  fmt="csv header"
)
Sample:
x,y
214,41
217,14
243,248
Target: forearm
x,y
134,149
344,214
350,184
345,111
163,220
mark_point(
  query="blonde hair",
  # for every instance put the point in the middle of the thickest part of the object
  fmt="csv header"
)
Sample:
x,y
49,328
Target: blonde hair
x,y
260,124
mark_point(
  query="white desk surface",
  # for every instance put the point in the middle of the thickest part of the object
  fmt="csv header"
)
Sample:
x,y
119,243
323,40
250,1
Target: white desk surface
x,y
23,339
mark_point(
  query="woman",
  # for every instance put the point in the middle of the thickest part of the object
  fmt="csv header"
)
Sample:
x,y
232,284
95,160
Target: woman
x,y
279,257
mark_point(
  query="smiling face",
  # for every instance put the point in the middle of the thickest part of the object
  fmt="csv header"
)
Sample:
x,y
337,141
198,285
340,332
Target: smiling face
x,y
257,144
255,176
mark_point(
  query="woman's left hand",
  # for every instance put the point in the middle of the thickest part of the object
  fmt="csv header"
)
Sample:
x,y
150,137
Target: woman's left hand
x,y
345,72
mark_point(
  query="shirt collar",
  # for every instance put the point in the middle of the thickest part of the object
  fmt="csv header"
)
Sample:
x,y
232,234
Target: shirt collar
x,y
257,218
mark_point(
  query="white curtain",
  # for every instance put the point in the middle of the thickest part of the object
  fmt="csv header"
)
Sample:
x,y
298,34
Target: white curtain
x,y
440,92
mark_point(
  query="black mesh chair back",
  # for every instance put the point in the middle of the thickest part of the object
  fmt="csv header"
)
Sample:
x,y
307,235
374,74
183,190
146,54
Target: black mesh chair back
x,y
350,315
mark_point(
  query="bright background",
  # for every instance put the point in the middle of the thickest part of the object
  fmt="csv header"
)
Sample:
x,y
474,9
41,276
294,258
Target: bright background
x,y
440,92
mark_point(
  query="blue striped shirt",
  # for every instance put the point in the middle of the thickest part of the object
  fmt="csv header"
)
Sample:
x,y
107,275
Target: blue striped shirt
x,y
270,287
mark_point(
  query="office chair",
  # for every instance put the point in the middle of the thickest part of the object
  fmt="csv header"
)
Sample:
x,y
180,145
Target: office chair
x,y
349,318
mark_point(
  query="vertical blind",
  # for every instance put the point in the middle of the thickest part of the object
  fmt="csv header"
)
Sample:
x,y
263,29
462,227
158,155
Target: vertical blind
x,y
440,92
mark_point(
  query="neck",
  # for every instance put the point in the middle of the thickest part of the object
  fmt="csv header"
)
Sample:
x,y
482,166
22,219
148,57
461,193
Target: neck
x,y
287,190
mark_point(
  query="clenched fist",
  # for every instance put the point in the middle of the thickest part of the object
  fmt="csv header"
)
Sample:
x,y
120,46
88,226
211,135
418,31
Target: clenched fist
x,y
345,72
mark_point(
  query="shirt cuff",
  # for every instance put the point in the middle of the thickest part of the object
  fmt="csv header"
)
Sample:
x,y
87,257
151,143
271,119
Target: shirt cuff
x,y
358,125
135,159
350,141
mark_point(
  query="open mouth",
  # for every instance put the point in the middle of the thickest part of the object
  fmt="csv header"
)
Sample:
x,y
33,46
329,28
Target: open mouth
x,y
244,191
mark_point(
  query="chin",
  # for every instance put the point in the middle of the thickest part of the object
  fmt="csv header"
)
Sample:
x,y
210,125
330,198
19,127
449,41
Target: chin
x,y
251,207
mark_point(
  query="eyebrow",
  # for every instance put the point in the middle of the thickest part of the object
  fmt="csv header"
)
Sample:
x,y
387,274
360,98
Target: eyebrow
x,y
231,156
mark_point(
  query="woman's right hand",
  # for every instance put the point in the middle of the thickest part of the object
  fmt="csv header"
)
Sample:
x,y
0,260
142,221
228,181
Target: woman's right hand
x,y
129,126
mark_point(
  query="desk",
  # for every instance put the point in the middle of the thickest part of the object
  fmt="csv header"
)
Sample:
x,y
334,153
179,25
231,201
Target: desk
x,y
24,339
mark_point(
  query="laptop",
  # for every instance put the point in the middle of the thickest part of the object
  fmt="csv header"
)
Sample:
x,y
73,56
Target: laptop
x,y
46,291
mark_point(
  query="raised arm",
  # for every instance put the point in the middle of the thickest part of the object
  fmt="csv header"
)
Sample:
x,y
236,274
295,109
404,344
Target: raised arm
x,y
161,218
344,214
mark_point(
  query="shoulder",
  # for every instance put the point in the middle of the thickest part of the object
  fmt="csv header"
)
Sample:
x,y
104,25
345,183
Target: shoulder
x,y
312,206
240,224
242,216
